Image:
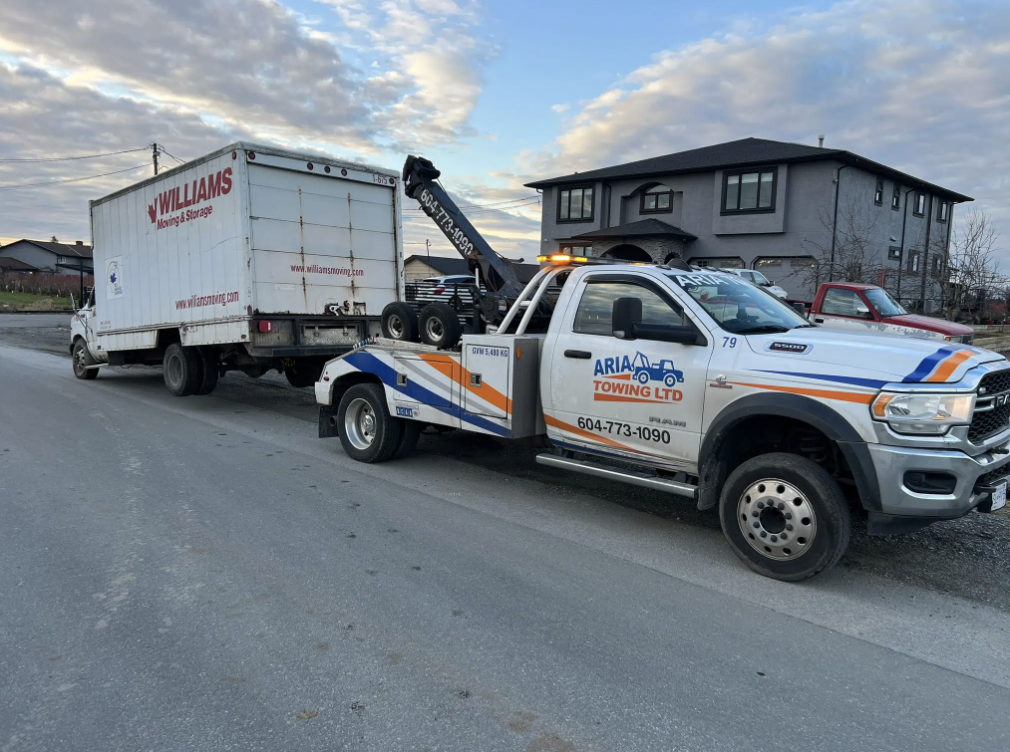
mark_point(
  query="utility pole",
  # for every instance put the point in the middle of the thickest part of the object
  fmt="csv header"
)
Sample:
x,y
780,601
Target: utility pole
x,y
154,155
427,247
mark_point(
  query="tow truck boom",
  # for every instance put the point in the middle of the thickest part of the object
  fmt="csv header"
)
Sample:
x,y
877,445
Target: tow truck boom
x,y
496,272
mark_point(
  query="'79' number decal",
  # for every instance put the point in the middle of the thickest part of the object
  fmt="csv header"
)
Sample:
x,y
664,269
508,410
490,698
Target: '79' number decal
x,y
729,342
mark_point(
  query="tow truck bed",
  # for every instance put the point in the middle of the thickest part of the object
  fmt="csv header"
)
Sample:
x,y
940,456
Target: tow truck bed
x,y
488,386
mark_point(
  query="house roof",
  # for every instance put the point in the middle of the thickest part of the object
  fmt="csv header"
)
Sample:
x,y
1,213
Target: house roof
x,y
446,266
60,249
745,152
16,265
640,229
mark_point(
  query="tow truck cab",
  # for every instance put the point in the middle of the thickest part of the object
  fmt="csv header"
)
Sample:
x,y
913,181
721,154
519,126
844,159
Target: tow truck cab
x,y
780,424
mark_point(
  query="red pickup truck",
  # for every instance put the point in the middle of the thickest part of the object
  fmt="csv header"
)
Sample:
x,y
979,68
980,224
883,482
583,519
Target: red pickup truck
x,y
868,308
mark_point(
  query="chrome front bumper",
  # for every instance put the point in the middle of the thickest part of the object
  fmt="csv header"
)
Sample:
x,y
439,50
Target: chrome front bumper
x,y
975,480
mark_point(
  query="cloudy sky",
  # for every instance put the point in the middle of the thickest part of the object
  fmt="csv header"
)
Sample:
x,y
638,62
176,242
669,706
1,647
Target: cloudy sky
x,y
496,92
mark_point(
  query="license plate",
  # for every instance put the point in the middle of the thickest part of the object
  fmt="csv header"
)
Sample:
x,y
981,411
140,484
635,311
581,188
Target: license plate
x,y
999,497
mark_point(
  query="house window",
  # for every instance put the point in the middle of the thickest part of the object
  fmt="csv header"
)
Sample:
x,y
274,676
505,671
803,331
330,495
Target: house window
x,y
913,262
577,250
731,262
936,264
894,253
942,211
576,204
920,204
896,198
748,192
878,194
656,200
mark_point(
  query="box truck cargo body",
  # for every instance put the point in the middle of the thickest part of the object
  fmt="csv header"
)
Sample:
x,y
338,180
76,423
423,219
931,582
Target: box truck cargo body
x,y
258,257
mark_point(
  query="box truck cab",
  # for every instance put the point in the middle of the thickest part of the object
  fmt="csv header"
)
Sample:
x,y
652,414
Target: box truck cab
x,y
701,385
251,258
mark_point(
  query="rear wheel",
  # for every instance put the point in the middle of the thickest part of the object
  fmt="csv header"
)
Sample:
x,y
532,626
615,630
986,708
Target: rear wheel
x,y
83,359
440,326
183,369
303,373
785,516
210,370
408,438
399,322
368,432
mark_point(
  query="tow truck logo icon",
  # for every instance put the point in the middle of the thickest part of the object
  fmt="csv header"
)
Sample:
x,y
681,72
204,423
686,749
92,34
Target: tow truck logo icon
x,y
662,371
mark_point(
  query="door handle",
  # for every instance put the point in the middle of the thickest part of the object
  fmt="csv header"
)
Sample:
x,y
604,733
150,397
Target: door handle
x,y
578,354
818,321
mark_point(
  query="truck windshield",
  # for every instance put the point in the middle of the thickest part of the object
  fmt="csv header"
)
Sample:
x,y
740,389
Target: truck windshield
x,y
884,303
737,306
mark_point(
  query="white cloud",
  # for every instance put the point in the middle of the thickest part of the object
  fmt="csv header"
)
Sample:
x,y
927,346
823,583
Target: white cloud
x,y
560,108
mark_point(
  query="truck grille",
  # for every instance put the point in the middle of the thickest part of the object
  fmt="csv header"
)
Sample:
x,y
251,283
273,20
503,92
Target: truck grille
x,y
992,408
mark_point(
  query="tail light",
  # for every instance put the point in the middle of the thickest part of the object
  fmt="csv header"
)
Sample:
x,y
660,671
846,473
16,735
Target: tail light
x,y
439,290
265,327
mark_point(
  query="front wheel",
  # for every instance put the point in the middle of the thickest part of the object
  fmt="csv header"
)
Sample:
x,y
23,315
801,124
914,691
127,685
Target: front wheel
x,y
368,432
643,377
83,359
785,516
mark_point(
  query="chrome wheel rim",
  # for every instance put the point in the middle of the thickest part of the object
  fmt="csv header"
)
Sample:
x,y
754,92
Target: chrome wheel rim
x,y
777,519
395,324
435,329
360,424
173,368
80,361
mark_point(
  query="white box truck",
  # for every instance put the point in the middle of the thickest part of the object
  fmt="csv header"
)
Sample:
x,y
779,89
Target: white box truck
x,y
251,258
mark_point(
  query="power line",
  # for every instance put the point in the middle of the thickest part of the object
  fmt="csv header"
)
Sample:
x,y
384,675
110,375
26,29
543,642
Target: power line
x,y
166,151
70,180
69,159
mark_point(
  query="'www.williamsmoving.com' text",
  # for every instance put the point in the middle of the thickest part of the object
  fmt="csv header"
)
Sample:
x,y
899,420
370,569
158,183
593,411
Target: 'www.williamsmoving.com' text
x,y
198,301
340,271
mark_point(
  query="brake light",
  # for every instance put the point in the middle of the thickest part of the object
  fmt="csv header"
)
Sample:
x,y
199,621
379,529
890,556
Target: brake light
x,y
266,327
439,290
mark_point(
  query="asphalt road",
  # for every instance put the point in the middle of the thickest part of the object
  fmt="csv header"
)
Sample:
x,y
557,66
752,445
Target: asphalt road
x,y
203,573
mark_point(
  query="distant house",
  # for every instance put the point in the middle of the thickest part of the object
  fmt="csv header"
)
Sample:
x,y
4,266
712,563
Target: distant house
x,y
13,265
423,267
755,204
50,256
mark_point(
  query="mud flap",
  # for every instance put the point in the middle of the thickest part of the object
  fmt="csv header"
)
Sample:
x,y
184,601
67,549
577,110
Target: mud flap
x,y
328,423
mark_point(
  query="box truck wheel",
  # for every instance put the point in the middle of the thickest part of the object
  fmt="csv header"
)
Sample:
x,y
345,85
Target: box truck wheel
x,y
83,359
209,370
183,369
399,321
368,432
440,326
304,373
785,516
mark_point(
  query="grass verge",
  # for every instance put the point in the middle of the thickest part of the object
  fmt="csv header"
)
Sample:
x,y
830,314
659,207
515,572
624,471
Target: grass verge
x,y
23,301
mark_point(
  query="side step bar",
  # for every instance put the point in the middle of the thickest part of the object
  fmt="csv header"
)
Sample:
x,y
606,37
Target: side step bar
x,y
600,471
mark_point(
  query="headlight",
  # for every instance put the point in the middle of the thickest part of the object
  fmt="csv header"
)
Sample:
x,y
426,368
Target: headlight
x,y
923,413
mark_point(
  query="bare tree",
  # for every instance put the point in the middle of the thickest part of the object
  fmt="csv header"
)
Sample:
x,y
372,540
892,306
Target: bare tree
x,y
972,283
846,251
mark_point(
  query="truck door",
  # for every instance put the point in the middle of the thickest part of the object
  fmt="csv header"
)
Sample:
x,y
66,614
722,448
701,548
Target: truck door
x,y
639,397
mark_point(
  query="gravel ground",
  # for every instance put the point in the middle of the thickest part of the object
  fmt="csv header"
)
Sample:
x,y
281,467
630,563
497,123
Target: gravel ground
x,y
969,557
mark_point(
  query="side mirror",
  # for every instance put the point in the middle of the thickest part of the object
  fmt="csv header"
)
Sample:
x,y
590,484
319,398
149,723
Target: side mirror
x,y
800,309
863,312
626,317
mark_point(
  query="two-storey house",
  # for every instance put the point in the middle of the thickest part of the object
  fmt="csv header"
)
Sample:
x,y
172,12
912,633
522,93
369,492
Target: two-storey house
x,y
782,208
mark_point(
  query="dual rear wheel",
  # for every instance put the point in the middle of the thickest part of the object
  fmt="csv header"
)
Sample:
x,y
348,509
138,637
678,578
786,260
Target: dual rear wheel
x,y
190,370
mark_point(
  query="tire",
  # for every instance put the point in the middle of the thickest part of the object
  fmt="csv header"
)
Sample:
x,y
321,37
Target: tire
x,y
399,322
411,432
440,326
303,374
643,378
670,380
183,369
374,440
806,528
209,370
82,358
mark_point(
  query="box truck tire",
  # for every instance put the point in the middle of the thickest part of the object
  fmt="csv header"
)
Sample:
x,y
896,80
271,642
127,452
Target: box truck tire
x,y
399,322
304,373
183,370
368,432
209,370
440,326
83,359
